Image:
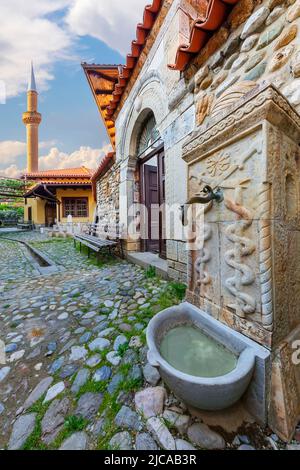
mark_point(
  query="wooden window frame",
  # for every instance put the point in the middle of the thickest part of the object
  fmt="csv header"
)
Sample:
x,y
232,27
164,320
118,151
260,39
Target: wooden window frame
x,y
76,216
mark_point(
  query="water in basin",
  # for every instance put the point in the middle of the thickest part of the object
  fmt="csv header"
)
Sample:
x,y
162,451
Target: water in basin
x,y
189,350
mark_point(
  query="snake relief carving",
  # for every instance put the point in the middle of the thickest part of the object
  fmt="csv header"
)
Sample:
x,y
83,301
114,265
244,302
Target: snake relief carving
x,y
242,247
203,258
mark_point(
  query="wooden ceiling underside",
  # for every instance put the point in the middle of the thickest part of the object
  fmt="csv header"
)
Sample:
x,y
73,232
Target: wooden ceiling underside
x,y
102,80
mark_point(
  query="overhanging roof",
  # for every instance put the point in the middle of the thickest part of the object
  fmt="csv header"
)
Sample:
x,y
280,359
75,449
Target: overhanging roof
x,y
43,189
201,30
211,15
102,80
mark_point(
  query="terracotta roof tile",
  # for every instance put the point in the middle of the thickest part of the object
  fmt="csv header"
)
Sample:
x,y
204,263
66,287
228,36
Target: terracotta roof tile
x,y
201,31
142,32
105,162
81,172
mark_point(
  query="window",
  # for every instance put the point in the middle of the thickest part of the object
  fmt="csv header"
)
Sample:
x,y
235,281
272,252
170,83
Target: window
x,y
148,135
75,206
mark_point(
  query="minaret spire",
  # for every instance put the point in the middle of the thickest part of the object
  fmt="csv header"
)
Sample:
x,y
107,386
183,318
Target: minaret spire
x,y
31,82
32,119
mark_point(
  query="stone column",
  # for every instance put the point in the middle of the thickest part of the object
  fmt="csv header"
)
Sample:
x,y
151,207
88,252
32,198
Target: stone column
x,y
127,204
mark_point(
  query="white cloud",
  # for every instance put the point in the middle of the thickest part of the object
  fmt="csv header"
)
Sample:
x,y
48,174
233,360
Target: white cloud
x,y
113,21
32,31
28,33
10,150
11,172
54,159
85,156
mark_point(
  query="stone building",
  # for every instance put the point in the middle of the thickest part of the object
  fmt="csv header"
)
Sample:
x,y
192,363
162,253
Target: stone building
x,y
56,194
185,56
210,95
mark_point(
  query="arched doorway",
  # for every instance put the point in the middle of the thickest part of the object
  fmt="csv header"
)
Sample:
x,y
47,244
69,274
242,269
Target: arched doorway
x,y
151,168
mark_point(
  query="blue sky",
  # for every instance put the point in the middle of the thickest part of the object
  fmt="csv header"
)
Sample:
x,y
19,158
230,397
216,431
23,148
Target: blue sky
x,y
70,115
61,34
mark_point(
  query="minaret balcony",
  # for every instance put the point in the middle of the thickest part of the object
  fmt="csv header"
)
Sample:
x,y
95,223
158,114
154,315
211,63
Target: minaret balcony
x,y
32,118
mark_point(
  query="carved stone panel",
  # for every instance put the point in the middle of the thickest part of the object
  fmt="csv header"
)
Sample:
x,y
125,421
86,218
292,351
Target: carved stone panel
x,y
248,273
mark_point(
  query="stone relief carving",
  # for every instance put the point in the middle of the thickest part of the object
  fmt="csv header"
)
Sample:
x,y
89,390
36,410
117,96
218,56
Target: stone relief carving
x,y
203,108
225,171
219,168
204,278
236,113
265,255
218,165
234,257
232,95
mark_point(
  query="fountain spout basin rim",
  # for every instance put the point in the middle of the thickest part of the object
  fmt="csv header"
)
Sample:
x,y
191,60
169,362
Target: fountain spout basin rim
x,y
206,393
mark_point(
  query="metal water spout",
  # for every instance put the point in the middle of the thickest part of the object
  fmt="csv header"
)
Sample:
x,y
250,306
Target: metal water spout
x,y
209,196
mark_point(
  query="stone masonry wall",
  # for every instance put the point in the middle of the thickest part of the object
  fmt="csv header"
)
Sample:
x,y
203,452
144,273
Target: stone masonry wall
x,y
264,47
108,198
260,41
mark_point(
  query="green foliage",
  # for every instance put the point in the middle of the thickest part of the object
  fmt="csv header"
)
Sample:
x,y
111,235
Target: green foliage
x,y
34,441
75,423
10,212
92,387
179,289
122,349
150,272
109,409
12,183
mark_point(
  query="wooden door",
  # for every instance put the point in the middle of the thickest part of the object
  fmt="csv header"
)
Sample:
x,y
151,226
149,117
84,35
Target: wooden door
x,y
50,214
152,205
162,200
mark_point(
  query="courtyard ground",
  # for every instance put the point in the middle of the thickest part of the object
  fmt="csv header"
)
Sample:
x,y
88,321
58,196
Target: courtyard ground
x,y
76,374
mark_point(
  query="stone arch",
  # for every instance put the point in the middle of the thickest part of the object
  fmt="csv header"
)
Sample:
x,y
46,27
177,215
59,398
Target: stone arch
x,y
150,96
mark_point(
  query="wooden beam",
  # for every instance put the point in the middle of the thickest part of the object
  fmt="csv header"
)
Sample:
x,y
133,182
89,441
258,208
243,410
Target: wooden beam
x,y
103,75
103,92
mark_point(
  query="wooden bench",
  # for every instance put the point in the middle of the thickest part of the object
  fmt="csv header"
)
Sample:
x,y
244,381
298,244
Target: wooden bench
x,y
97,244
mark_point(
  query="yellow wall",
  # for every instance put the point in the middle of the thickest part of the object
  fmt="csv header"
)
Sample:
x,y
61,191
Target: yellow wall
x,y
38,206
61,193
38,211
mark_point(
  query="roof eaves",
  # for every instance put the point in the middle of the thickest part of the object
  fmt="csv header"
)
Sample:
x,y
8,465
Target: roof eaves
x,y
201,31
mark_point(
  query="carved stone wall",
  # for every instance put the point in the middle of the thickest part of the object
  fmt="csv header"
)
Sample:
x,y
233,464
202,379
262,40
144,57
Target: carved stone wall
x,y
246,271
260,41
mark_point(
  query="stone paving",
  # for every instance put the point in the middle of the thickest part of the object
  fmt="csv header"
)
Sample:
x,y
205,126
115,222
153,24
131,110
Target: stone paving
x,y
76,374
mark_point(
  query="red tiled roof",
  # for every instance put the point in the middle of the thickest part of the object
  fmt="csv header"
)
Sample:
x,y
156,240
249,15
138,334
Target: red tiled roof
x,y
81,172
142,32
202,29
106,160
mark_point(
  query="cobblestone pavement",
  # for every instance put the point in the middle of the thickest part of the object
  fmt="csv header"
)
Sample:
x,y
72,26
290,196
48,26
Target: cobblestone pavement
x,y
76,374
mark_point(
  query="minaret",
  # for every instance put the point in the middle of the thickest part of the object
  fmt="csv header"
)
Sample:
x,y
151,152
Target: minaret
x,y
32,120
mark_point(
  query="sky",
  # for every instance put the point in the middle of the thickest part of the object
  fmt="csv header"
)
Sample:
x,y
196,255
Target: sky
x,y
57,35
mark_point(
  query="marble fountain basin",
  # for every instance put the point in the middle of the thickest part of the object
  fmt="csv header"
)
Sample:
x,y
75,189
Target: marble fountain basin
x,y
182,337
